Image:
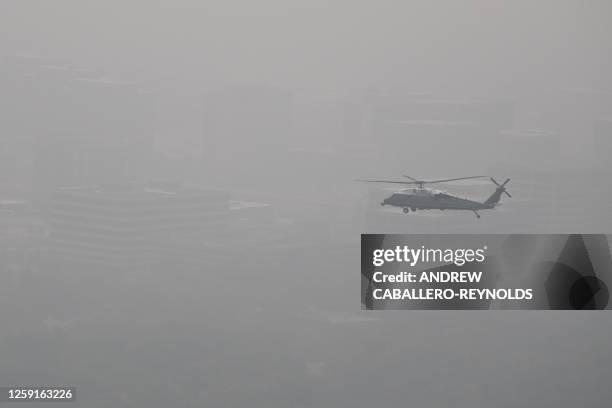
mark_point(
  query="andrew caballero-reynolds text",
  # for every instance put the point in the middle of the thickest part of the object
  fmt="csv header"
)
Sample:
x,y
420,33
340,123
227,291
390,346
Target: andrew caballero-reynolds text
x,y
386,284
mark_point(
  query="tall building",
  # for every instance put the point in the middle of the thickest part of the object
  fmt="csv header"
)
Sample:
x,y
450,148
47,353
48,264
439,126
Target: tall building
x,y
528,152
365,113
131,226
425,131
99,131
244,127
69,126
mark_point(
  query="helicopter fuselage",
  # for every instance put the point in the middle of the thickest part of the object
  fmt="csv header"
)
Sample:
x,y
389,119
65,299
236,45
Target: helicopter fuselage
x,y
422,198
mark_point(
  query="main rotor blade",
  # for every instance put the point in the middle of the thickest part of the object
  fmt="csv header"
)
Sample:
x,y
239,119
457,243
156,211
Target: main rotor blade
x,y
411,178
387,181
451,179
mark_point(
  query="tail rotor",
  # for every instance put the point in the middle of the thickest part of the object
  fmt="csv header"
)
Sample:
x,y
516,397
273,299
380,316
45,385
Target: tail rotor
x,y
495,197
502,187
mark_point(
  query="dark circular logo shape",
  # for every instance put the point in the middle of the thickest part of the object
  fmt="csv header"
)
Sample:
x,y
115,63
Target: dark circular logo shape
x,y
589,293
568,289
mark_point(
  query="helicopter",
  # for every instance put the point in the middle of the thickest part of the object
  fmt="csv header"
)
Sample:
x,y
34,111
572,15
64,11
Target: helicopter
x,y
423,198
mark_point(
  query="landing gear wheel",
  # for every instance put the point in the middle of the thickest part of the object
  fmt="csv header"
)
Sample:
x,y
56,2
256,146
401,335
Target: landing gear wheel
x,y
406,210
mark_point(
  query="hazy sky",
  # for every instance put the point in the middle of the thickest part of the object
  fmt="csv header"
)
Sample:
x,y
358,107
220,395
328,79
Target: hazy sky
x,y
253,327
494,47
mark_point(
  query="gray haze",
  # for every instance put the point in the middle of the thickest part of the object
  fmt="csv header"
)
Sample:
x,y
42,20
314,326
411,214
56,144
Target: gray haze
x,y
179,225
